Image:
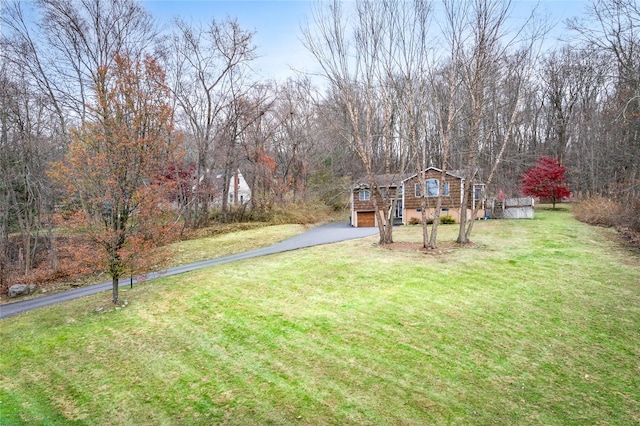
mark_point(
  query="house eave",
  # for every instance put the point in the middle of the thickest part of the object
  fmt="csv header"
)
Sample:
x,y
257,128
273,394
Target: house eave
x,y
437,170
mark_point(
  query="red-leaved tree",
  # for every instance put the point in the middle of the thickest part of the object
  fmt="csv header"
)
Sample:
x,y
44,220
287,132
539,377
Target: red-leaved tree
x,y
112,166
546,180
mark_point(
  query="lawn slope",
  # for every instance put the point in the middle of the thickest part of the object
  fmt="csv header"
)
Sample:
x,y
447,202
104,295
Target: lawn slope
x,y
537,323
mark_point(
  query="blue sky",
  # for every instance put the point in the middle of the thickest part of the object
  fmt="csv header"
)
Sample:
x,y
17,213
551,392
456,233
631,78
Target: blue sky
x,y
276,24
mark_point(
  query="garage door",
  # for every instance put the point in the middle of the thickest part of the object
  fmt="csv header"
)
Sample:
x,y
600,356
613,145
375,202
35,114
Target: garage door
x,y
366,219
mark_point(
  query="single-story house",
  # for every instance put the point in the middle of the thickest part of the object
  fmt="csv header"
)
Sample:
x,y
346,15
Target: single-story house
x,y
408,189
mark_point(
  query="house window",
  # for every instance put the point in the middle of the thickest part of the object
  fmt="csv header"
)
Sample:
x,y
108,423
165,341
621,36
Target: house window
x,y
433,187
383,191
417,190
364,195
477,195
445,189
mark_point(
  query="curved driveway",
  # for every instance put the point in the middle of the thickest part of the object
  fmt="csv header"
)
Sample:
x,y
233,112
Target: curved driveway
x,y
325,234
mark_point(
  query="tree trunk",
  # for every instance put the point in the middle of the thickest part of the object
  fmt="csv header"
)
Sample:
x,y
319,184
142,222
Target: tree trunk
x,y
384,227
26,243
423,204
436,216
115,283
53,256
425,225
462,234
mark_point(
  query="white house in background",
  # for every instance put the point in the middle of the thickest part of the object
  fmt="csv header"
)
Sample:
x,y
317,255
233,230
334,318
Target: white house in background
x,y
239,191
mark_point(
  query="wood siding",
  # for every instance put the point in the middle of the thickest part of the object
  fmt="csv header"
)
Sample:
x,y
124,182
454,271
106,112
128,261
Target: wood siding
x,y
448,201
411,203
367,205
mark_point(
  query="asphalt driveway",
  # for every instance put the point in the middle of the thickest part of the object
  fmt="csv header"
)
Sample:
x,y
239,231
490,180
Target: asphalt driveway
x,y
325,234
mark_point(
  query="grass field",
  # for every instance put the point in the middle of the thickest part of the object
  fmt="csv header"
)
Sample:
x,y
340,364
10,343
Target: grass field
x,y
194,250
537,323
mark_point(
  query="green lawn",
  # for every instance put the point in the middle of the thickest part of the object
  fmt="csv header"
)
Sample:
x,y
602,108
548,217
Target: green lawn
x,y
538,323
225,244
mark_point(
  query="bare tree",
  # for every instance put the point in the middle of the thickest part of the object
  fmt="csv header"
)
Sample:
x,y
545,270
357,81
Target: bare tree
x,y
486,22
206,66
295,141
351,53
251,126
491,57
25,122
23,49
71,41
613,28
408,65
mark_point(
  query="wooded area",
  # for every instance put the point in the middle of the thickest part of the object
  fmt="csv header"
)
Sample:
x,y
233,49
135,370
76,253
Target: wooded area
x,y
110,122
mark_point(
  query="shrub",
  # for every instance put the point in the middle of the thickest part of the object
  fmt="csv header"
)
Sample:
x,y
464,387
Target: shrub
x,y
299,213
599,211
447,220
416,221
632,215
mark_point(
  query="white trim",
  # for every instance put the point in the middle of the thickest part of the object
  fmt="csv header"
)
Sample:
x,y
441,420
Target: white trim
x,y
352,210
473,195
403,215
433,168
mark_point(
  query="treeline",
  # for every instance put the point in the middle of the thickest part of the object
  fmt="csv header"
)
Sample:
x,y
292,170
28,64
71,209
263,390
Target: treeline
x,y
406,85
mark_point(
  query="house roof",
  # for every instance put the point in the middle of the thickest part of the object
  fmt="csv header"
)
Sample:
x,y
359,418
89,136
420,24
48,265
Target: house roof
x,y
382,181
392,180
452,174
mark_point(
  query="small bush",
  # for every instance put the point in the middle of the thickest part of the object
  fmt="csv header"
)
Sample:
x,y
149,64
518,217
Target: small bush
x,y
447,220
416,221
